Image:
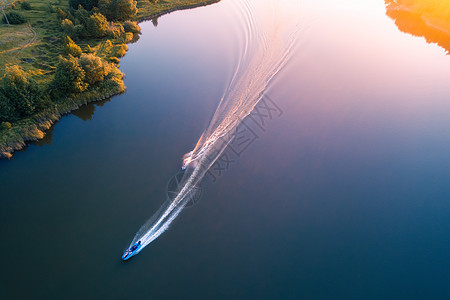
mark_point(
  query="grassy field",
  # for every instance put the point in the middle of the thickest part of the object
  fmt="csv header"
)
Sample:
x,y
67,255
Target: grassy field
x,y
36,46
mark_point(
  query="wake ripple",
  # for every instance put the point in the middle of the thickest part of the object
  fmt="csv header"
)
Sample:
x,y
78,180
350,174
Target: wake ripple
x,y
270,28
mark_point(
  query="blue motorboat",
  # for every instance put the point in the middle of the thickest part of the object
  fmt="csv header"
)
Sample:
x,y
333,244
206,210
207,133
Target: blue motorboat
x,y
132,251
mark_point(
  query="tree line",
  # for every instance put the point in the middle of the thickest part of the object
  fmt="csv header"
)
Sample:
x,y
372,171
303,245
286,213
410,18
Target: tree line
x,y
77,70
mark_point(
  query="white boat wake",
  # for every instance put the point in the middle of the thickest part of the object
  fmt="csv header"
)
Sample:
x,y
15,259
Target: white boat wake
x,y
270,28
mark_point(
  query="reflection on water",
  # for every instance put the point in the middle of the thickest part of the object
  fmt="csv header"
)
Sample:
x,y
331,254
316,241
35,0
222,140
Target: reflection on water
x,y
423,18
86,112
48,138
155,21
135,38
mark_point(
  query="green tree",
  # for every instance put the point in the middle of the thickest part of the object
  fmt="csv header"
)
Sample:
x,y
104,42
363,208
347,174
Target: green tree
x,y
106,9
25,5
79,31
118,9
7,112
68,27
82,15
14,17
69,77
125,9
19,95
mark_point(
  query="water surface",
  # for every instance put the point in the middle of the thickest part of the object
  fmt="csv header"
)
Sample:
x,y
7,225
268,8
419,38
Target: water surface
x,y
345,195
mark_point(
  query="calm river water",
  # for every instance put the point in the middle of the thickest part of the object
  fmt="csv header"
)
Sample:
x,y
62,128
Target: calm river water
x,y
341,192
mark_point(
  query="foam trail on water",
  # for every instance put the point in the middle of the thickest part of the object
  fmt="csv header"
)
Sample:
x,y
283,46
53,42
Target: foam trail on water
x,y
270,28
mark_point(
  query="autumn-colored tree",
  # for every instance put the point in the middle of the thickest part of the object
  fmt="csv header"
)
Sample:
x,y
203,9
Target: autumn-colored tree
x,y
94,68
97,25
131,26
72,48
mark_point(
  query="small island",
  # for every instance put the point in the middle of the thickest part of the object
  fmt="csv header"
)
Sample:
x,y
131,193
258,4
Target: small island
x,y
57,55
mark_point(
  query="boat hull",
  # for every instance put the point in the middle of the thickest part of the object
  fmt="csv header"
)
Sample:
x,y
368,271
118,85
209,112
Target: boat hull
x,y
129,254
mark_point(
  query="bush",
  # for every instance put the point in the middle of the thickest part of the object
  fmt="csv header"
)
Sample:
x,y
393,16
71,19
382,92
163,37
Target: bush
x,y
25,5
14,18
130,26
72,48
5,126
69,77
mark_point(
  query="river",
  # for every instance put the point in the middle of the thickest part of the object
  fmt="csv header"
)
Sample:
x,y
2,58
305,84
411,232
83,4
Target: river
x,y
339,188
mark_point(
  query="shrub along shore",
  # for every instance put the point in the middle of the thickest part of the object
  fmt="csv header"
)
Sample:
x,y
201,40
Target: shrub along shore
x,y
58,55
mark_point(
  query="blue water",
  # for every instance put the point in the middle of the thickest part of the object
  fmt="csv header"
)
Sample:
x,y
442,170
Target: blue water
x,y
346,195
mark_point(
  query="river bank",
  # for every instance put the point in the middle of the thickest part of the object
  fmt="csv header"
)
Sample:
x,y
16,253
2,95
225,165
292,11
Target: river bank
x,y
33,128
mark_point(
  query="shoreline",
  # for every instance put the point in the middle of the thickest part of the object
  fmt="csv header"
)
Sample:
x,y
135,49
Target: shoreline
x,y
33,129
